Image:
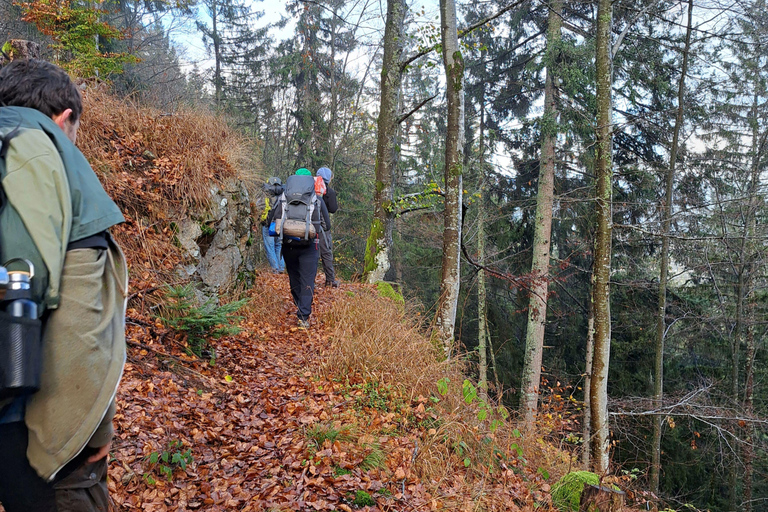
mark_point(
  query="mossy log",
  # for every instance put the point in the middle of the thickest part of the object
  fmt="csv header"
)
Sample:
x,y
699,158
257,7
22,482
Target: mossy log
x,y
601,499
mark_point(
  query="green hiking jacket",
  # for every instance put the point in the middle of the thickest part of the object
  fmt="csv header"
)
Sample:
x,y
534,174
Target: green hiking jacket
x,y
53,198
44,211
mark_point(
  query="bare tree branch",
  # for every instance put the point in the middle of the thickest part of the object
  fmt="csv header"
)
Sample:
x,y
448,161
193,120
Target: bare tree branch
x,y
415,109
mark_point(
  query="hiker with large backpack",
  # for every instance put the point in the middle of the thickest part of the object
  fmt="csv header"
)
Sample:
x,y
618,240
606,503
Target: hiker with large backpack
x,y
326,242
56,215
273,244
300,218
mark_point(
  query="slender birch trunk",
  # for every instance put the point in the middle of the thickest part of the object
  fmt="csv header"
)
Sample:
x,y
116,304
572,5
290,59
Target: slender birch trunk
x,y
604,173
746,325
482,345
217,80
537,302
586,427
482,348
379,244
666,215
450,280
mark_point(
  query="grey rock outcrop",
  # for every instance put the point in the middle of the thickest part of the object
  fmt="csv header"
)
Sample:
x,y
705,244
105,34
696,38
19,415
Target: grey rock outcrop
x,y
219,244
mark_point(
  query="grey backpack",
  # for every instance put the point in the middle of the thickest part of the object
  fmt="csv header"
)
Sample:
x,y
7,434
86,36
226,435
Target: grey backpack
x,y
299,203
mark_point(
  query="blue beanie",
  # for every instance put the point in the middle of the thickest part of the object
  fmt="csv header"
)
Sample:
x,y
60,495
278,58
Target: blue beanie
x,y
325,173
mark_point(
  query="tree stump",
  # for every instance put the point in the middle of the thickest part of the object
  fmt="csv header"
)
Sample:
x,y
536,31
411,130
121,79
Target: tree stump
x,y
21,49
601,499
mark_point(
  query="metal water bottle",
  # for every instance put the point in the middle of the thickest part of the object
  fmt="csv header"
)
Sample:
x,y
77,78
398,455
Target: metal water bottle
x,y
18,293
20,334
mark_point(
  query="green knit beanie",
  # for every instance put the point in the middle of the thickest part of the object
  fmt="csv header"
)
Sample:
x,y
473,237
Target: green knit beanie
x,y
303,172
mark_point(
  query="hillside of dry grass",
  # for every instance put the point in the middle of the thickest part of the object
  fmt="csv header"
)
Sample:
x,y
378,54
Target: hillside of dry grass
x,y
159,166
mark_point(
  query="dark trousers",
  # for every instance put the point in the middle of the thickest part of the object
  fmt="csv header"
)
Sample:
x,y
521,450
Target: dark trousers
x,y
301,264
326,256
79,487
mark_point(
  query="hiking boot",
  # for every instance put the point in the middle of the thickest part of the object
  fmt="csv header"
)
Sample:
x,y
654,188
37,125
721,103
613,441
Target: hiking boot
x,y
304,324
335,283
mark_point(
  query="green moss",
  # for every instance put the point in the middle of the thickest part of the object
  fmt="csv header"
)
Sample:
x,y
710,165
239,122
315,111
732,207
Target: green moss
x,y
363,499
549,124
566,493
386,290
206,229
457,71
379,186
372,246
339,471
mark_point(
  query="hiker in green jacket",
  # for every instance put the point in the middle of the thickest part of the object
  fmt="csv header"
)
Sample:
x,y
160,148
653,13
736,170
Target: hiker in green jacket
x,y
54,443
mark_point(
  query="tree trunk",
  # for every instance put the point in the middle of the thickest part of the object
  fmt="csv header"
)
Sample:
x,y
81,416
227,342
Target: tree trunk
x,y
666,216
603,173
748,451
482,347
601,499
216,53
379,244
454,147
537,302
586,427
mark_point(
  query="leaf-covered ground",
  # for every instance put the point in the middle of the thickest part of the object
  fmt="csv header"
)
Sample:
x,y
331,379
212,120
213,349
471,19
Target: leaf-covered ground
x,y
265,428
248,421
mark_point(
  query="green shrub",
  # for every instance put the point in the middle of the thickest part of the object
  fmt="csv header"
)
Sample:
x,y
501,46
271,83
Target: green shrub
x,y
566,493
199,323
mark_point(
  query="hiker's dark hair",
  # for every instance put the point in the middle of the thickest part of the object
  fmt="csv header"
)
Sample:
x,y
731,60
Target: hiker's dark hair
x,y
38,84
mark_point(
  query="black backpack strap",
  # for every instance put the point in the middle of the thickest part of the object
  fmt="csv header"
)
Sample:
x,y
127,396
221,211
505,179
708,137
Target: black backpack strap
x,y
5,142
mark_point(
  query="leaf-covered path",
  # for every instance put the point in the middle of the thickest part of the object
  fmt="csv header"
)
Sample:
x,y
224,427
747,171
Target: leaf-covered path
x,y
247,421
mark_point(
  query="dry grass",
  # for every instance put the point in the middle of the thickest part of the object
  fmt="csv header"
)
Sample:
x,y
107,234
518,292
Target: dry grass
x,y
158,168
181,155
379,339
266,301
467,460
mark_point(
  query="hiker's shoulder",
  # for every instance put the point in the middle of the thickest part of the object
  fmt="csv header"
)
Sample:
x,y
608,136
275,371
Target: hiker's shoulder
x,y
31,145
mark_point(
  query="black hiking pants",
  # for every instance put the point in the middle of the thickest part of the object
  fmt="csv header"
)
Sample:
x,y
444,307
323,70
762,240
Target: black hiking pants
x,y
301,264
80,486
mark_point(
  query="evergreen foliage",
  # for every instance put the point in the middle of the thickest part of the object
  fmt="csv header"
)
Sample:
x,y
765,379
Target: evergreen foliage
x,y
199,322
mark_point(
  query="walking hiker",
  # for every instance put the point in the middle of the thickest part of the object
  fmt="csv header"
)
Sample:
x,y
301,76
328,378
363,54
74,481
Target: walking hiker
x,y
299,219
273,244
326,242
54,443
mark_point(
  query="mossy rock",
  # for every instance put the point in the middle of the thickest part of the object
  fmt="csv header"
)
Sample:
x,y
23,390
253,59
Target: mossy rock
x,y
386,290
566,493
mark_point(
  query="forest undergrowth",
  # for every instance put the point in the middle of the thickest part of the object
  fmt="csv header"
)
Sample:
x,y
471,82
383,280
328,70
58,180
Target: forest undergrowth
x,y
347,415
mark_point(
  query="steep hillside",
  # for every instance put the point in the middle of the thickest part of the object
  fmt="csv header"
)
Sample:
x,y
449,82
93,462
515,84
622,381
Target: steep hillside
x,y
184,181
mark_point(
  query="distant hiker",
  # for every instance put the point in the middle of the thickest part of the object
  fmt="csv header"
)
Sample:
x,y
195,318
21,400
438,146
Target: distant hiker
x,y
54,443
300,218
273,244
326,242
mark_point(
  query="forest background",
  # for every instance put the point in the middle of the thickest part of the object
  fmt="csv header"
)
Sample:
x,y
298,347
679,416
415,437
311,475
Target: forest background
x,y
685,202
